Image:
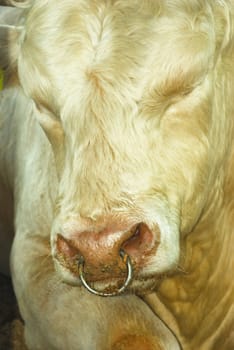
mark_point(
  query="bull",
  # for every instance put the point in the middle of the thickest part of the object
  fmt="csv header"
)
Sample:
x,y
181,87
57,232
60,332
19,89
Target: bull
x,y
116,169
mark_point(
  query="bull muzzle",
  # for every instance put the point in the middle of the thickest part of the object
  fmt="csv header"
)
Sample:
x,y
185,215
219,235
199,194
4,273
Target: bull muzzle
x,y
100,259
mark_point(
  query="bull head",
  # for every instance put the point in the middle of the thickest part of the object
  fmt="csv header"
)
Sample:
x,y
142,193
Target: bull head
x,y
134,132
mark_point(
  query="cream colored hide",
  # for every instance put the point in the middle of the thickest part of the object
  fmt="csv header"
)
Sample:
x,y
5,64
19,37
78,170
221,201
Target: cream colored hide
x,y
117,135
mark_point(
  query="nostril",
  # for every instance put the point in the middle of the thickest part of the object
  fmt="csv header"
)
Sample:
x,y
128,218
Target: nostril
x,y
141,240
65,249
136,231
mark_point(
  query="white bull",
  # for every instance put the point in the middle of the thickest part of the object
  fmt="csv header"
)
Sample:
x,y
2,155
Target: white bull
x,y
116,162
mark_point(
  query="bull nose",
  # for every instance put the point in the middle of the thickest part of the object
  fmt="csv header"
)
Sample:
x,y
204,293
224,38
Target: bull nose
x,y
101,250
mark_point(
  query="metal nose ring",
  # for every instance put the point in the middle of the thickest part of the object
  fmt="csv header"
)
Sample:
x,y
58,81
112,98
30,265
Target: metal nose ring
x,y
125,258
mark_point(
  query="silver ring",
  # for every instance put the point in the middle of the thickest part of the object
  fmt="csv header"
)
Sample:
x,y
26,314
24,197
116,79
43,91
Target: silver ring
x,y
125,257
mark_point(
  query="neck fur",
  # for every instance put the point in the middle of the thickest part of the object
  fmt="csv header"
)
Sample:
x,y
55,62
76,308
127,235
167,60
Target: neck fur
x,y
197,304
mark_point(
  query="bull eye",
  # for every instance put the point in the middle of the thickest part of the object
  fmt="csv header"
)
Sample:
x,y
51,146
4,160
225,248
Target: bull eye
x,y
44,114
49,123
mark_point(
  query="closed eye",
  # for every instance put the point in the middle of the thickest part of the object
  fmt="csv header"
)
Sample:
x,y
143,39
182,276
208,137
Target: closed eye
x,y
49,122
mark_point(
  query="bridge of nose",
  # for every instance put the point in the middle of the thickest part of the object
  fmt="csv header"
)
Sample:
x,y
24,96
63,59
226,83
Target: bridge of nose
x,y
101,245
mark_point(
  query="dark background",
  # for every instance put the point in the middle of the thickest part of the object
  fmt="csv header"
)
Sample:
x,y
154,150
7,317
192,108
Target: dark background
x,y
11,325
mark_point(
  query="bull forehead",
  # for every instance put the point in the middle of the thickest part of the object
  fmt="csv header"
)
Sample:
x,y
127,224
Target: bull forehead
x,y
113,66
120,49
121,46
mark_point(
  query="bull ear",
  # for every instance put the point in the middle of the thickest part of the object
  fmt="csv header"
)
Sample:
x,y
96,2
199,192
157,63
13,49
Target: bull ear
x,y
10,32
